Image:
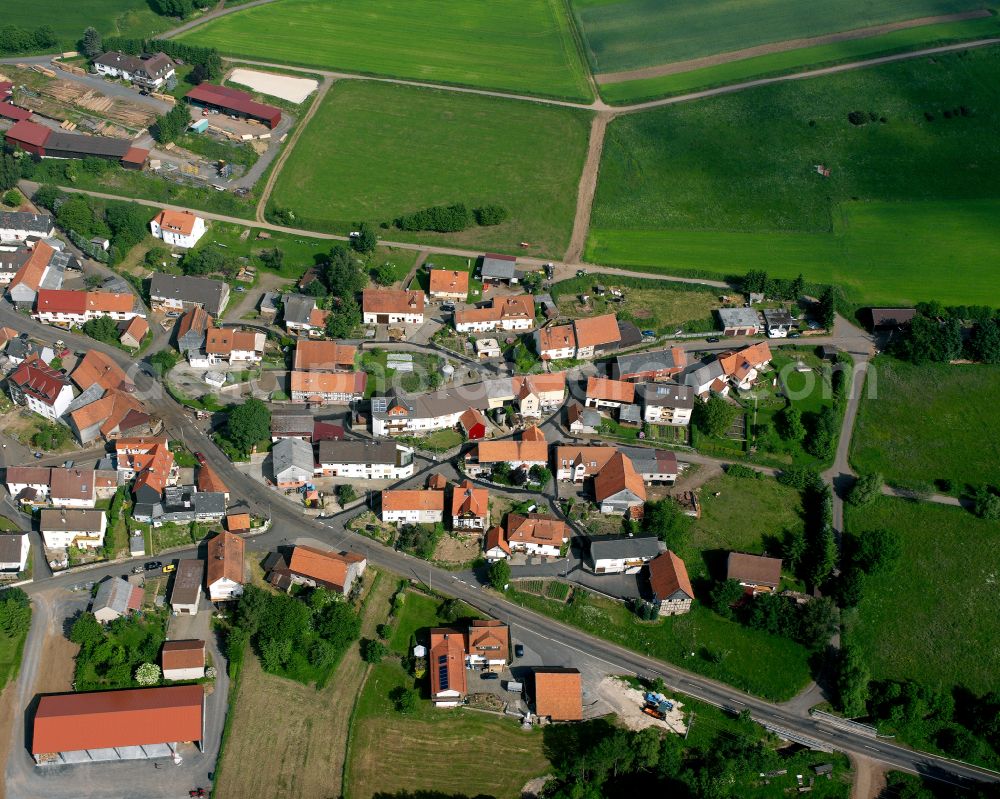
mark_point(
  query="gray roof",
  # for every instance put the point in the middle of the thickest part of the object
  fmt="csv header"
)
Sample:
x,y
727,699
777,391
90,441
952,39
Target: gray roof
x,y
667,395
189,500
629,413
10,547
89,395
700,373
71,520
185,288
12,260
210,503
269,301
41,224
287,422
187,582
652,461
614,547
298,307
439,403
291,452
498,267
651,361
113,593
65,141
118,285
352,451
738,317
777,316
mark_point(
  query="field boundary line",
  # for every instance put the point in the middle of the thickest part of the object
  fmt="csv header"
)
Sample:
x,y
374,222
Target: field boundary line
x,y
576,34
265,193
692,64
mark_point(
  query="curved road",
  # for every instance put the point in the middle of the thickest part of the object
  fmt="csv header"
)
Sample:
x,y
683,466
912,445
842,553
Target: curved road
x,y
288,522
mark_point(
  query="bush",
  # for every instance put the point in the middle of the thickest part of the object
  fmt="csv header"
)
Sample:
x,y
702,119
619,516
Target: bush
x,y
51,436
440,218
490,215
986,504
739,470
373,651
403,699
499,574
12,198
148,674
857,118
866,490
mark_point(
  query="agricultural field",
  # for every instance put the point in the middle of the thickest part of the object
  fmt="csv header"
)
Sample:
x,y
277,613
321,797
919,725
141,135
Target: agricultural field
x,y
299,731
938,637
513,45
68,20
729,183
624,35
375,151
922,424
649,304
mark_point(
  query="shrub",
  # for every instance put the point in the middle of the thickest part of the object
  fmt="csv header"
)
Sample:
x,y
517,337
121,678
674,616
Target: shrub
x,y
439,218
857,118
373,651
866,490
490,215
739,470
147,674
12,198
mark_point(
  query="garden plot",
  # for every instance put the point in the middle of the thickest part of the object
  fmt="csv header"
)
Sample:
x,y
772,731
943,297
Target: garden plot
x,y
295,90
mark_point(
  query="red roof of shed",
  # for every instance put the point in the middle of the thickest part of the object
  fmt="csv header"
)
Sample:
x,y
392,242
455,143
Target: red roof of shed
x,y
106,719
234,100
29,132
13,112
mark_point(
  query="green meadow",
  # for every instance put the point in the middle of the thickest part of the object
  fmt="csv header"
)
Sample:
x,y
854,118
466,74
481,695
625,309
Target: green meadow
x,y
513,45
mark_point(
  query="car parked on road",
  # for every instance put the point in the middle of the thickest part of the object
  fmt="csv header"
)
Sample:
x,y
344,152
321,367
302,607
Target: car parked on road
x,y
489,675
169,568
712,339
153,565
519,650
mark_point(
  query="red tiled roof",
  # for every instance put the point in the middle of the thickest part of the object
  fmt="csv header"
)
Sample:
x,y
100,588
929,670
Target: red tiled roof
x,y
617,475
234,100
225,558
668,575
392,301
106,719
323,355
13,112
611,390
176,221
137,328
446,661
33,270
466,498
209,480
559,694
328,568
495,539
185,654
96,367
489,638
29,132
448,281
39,380
412,499
536,528
596,330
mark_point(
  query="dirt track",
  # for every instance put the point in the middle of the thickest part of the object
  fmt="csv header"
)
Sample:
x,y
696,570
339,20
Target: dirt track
x,y
869,778
692,64
587,188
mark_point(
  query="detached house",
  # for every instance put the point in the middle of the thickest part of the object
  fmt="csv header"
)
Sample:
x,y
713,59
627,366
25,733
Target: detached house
x,y
446,664
556,342
537,394
470,507
487,645
14,549
150,72
40,388
177,228
133,332
536,534
495,546
419,506
615,555
302,316
757,573
502,313
618,488
234,347
65,527
225,567
669,584
392,306
666,403
183,292
448,284
650,366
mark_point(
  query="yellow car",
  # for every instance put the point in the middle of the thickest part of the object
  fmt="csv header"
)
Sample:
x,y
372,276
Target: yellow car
x,y
169,568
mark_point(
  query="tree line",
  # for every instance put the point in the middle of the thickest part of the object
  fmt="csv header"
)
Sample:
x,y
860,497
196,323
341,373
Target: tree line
x,y
937,334
15,39
452,218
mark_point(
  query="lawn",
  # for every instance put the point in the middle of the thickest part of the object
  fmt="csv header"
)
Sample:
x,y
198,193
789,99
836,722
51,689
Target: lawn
x,y
427,744
381,378
693,641
929,619
630,34
728,184
11,648
513,45
110,17
376,151
649,304
634,91
420,612
927,423
765,509
298,731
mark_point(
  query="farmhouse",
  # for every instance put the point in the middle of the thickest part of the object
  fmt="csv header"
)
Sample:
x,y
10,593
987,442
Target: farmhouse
x,y
192,329
43,268
112,414
234,102
470,507
177,228
539,393
148,71
594,333
134,724
757,573
14,549
186,593
487,645
556,342
669,584
502,313
618,488
116,597
446,663
604,393
40,388
20,225
616,555
65,527
536,534
739,321
325,388
292,462
68,309
183,292
392,306
666,403
498,268
336,571
559,694
495,545
302,316
522,454
183,660
324,356
233,347
417,506
576,463
225,571
47,143
448,284
370,460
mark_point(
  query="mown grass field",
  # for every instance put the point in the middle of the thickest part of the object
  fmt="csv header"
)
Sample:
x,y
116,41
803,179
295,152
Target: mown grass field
x,y
636,91
513,45
630,34
728,183
748,657
927,423
375,151
931,618
68,20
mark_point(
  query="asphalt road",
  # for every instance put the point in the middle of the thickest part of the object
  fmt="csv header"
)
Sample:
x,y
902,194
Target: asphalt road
x,y
288,523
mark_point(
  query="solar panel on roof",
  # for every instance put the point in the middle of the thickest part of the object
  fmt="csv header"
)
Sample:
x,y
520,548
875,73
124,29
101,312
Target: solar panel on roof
x,y
442,659
443,678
